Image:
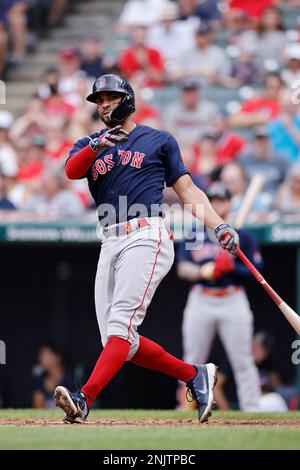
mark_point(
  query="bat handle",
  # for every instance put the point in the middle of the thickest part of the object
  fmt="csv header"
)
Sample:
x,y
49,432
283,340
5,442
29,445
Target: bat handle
x,y
277,299
250,266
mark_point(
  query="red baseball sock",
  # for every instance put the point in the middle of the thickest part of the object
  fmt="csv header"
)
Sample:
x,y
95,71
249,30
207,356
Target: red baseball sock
x,y
152,356
109,363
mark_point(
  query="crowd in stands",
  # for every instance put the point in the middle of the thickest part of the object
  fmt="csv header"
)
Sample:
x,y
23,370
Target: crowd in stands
x,y
222,76
22,22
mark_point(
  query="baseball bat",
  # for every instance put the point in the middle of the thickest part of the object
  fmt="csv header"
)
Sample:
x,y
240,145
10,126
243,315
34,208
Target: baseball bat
x,y
291,316
253,189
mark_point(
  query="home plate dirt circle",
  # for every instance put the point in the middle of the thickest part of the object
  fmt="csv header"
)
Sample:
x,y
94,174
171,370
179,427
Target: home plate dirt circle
x,y
295,423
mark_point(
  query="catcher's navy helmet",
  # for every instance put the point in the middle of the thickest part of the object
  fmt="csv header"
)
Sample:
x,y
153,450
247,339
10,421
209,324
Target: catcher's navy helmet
x,y
218,190
118,84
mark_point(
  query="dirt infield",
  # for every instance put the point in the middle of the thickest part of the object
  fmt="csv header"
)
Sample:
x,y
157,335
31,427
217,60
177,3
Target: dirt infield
x,y
292,423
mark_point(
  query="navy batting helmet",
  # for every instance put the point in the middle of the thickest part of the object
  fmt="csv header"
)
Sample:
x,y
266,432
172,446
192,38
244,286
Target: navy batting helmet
x,y
118,84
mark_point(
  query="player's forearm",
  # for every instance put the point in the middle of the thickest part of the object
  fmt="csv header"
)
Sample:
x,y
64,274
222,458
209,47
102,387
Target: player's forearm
x,y
247,119
188,271
200,206
79,163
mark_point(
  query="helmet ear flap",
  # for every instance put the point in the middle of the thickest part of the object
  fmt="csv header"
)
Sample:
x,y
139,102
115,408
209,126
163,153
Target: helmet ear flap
x,y
122,111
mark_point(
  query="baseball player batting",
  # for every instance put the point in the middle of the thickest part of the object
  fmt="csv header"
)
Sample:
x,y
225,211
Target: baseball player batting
x,y
134,161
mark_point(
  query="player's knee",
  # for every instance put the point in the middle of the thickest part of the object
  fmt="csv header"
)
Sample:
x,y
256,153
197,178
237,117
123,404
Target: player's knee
x,y
133,349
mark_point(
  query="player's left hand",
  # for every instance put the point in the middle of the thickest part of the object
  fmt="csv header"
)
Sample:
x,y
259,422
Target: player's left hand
x,y
228,238
109,138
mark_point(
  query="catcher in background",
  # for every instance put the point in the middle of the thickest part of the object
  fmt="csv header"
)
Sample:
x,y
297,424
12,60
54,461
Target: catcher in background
x,y
217,303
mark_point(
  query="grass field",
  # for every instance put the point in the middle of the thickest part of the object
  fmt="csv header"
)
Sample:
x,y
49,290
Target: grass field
x,y
147,429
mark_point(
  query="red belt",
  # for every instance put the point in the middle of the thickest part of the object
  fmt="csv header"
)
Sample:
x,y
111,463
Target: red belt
x,y
218,292
125,228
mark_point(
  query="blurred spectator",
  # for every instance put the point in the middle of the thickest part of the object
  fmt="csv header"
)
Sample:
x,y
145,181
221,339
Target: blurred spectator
x,y
17,191
31,156
270,38
237,28
228,143
15,16
267,38
53,103
145,114
217,147
252,9
56,13
288,197
262,346
59,105
188,119
69,75
3,44
39,20
22,22
270,400
171,36
209,12
50,371
244,70
285,130
49,83
188,8
292,71
81,121
53,196
92,62
206,10
139,13
57,143
207,61
141,63
259,157
234,176
45,14
8,157
260,109
5,202
32,121
206,162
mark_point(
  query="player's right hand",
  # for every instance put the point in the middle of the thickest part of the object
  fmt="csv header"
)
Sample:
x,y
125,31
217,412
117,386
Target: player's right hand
x,y
109,138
